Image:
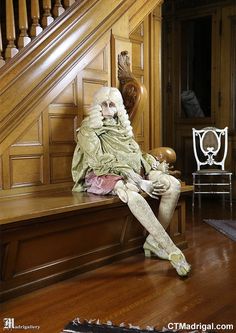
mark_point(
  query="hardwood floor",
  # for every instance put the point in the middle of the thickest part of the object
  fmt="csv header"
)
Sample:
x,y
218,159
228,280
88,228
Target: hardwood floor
x,y
145,291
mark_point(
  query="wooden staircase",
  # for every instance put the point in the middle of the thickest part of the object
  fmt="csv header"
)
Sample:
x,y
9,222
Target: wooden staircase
x,y
48,59
84,40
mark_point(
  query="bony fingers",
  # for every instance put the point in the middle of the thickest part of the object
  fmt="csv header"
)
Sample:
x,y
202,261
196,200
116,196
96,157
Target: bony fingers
x,y
158,191
158,185
154,196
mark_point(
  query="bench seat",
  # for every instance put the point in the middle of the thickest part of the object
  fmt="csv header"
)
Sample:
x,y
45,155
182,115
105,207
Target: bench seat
x,y
50,236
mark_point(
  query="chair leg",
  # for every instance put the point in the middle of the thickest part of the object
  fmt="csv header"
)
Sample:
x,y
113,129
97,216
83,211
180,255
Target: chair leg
x,y
230,197
223,198
193,194
199,195
230,190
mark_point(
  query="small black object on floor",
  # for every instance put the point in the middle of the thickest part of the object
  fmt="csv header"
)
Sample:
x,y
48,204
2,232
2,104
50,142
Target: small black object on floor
x,y
93,326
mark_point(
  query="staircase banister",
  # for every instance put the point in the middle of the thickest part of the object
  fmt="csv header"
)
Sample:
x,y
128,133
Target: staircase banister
x,y
32,74
44,35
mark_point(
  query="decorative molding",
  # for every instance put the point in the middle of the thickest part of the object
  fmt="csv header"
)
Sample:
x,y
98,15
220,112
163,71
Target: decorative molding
x,y
68,97
35,176
36,141
140,10
100,63
90,86
59,125
140,129
60,167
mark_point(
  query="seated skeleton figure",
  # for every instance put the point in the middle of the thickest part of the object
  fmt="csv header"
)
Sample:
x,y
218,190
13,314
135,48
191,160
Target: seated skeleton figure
x,y
107,160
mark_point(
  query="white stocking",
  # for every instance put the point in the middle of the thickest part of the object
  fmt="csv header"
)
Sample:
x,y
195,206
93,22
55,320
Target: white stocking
x,y
168,199
144,214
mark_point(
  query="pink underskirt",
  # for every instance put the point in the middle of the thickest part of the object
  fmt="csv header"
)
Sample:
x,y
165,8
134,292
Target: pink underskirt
x,y
101,184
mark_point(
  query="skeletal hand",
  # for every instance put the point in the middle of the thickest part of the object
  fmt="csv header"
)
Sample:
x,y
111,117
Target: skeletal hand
x,y
161,166
153,189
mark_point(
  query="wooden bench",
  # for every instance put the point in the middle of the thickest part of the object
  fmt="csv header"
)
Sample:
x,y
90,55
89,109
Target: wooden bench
x,y
53,236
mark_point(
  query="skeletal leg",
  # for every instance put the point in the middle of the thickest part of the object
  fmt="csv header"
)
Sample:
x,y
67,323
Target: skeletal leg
x,y
169,199
166,209
143,213
151,246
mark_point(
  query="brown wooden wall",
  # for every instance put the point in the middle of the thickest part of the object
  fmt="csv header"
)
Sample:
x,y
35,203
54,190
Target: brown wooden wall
x,y
42,155
41,147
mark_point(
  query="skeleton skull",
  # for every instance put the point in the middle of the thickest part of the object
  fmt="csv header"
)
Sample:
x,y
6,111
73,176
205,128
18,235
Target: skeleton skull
x,y
109,109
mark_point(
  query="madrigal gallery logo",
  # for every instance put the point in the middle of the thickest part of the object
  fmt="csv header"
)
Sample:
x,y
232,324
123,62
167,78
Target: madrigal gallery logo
x,y
9,324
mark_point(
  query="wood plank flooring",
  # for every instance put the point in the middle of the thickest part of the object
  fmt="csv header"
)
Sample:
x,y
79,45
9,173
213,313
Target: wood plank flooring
x,y
145,291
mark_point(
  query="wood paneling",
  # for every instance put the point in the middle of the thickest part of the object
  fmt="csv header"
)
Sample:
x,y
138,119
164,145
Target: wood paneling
x,y
60,167
140,68
62,118
26,170
156,111
44,136
139,10
139,135
89,87
56,56
97,74
67,96
42,154
61,128
101,62
33,135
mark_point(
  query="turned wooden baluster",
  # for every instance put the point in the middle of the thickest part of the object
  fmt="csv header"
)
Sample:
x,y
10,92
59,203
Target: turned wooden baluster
x,y
2,62
68,3
35,15
23,39
47,17
11,49
57,9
